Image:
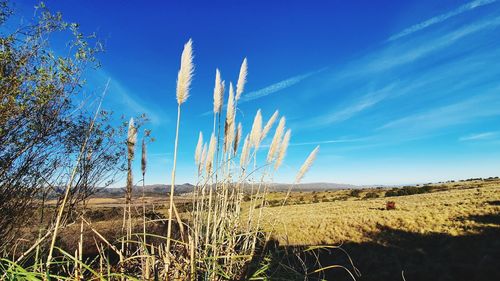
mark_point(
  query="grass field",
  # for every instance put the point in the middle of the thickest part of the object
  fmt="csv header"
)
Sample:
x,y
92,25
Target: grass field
x,y
452,212
370,103
449,233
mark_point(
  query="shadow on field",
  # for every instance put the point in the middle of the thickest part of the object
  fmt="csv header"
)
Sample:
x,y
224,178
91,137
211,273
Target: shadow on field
x,y
420,256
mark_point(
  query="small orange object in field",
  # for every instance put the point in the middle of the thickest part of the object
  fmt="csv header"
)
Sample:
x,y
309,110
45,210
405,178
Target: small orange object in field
x,y
390,205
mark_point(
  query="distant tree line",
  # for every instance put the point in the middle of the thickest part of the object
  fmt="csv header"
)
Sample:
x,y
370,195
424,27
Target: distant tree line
x,y
410,190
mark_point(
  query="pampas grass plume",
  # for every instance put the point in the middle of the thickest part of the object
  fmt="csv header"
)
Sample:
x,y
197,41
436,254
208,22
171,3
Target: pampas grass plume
x,y
210,154
245,151
269,124
230,104
131,138
143,158
307,164
256,132
273,148
239,131
218,92
203,158
229,124
282,150
198,150
185,74
242,79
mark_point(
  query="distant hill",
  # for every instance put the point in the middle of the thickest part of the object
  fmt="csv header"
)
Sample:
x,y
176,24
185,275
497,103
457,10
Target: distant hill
x,y
149,190
319,186
160,189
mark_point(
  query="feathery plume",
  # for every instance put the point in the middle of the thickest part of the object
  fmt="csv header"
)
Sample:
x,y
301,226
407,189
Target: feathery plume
x,y
229,138
229,124
185,74
256,132
242,79
203,158
269,124
210,154
130,182
131,138
237,138
282,150
307,164
197,152
222,91
230,104
143,158
276,139
218,92
245,151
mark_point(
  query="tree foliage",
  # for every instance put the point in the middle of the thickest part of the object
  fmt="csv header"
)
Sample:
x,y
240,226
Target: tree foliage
x,y
409,190
45,117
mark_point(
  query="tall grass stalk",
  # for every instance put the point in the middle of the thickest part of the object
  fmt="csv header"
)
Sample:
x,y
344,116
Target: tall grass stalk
x,y
143,170
131,140
70,180
183,84
144,261
224,229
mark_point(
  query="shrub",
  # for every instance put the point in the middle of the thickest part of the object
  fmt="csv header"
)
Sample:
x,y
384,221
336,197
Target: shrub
x,y
44,121
390,205
355,193
410,190
371,194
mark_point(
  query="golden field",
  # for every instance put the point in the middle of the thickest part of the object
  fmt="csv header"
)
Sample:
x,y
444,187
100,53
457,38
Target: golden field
x,y
338,216
450,233
448,212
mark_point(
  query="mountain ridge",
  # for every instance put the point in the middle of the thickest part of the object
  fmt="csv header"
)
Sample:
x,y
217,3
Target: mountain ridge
x,y
156,189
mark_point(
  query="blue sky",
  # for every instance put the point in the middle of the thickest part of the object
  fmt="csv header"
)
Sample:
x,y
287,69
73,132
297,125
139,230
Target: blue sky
x,y
395,92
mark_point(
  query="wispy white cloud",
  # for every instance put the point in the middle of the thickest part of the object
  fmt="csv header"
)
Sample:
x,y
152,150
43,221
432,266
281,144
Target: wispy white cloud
x,y
129,102
271,89
439,79
426,46
276,87
338,115
480,136
389,58
364,103
160,154
319,142
440,18
329,141
449,115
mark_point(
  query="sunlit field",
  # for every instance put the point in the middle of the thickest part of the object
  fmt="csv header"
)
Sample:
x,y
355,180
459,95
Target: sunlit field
x,y
340,217
249,140
462,215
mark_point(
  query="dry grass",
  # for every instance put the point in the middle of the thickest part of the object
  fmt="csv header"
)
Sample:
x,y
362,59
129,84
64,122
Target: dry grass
x,y
339,216
211,240
359,220
214,234
347,218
